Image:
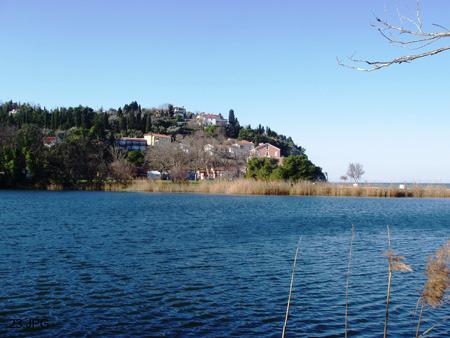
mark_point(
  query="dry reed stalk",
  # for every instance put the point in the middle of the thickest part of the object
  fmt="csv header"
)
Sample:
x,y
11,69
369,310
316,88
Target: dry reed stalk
x,y
348,279
253,187
394,264
427,331
438,281
290,289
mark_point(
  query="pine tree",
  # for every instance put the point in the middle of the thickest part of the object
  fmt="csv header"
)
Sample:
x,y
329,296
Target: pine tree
x,y
148,123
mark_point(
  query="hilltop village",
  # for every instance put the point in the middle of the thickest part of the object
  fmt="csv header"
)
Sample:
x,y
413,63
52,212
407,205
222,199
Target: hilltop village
x,y
78,144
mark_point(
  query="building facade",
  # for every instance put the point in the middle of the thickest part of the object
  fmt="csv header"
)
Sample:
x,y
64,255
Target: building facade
x,y
154,138
132,143
206,120
267,150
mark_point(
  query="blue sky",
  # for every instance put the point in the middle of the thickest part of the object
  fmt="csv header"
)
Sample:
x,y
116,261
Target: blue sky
x,y
273,62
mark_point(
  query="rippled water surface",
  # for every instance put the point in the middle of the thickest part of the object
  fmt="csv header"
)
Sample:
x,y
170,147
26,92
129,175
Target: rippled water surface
x,y
169,265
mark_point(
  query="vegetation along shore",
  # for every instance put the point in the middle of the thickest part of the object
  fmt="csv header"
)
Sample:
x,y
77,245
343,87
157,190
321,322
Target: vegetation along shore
x,y
164,149
255,187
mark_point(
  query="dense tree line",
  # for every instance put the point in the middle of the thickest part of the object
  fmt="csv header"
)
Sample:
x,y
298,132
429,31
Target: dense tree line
x,y
24,159
129,120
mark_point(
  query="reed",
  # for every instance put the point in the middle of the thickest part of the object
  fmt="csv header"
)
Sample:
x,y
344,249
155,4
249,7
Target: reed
x,y
290,289
437,283
348,279
252,187
395,263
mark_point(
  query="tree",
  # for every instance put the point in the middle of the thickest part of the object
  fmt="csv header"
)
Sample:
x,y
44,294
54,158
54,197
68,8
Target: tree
x,y
12,161
299,167
148,123
233,126
121,170
262,168
170,110
355,171
136,157
169,158
79,158
410,33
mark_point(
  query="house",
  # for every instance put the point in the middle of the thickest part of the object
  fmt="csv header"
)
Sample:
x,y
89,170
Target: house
x,y
50,141
267,150
206,120
132,143
179,111
154,138
241,148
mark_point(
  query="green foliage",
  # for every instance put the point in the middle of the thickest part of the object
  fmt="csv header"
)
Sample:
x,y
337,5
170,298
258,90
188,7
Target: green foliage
x,y
262,168
78,159
233,127
136,157
299,167
211,130
266,135
22,156
294,168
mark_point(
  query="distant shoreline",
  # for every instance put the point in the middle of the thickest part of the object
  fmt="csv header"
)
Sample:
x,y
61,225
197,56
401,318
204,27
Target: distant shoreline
x,y
252,187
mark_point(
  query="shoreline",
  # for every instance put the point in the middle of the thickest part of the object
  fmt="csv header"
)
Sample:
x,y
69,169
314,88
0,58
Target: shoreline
x,y
251,187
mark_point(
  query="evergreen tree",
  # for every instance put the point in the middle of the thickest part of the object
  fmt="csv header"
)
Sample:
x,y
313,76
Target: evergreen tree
x,y
233,125
148,123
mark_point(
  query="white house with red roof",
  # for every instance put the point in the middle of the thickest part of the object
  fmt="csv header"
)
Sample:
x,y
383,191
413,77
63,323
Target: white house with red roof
x,y
206,120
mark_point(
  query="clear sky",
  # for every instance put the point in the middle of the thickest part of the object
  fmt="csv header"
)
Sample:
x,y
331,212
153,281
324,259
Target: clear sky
x,y
273,62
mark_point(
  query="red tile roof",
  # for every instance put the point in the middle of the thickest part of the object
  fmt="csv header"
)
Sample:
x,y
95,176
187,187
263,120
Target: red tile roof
x,y
211,116
158,135
262,145
245,142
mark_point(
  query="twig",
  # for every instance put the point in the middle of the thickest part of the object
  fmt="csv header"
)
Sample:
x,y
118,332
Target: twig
x,y
290,289
347,280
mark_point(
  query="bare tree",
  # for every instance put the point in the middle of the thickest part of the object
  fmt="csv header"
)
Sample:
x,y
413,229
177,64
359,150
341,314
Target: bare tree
x,y
409,33
196,146
355,171
171,158
121,169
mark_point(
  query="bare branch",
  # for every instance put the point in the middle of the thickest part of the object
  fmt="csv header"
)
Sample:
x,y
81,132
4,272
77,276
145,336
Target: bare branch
x,y
375,65
402,36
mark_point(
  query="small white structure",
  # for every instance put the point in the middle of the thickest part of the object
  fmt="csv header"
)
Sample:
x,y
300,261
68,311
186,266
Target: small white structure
x,y
153,175
179,111
401,186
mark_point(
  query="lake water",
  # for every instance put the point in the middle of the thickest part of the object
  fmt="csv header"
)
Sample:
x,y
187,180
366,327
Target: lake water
x,y
174,265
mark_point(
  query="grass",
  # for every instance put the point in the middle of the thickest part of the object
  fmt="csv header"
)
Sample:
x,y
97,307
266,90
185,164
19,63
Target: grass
x,y
252,187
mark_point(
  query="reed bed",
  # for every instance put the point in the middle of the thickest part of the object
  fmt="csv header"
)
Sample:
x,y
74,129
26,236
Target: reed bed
x,y
252,187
